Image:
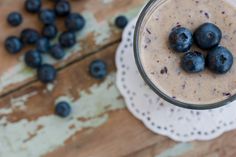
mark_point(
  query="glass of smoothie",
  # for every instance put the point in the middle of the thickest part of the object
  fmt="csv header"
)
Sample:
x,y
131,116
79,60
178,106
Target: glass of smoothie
x,y
160,66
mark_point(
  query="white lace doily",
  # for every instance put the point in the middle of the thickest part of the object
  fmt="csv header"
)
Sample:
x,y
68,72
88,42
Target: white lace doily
x,y
160,116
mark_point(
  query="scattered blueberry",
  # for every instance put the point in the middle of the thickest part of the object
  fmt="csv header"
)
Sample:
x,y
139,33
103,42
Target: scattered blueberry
x,y
57,52
14,19
43,45
57,0
49,31
74,22
180,39
62,8
193,62
33,6
67,39
207,36
98,69
29,36
63,109
13,44
121,21
219,60
47,16
33,58
46,73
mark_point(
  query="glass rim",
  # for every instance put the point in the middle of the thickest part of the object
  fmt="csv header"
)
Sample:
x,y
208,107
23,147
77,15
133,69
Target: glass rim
x,y
148,81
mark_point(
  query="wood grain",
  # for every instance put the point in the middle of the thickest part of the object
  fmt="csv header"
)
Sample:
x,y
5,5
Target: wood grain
x,y
122,135
70,81
103,32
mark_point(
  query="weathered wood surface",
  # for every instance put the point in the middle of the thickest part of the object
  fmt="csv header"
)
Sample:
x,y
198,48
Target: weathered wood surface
x,y
100,125
98,33
120,134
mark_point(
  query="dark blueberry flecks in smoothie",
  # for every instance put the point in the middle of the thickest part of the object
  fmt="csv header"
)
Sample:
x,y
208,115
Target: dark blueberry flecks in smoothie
x,y
155,55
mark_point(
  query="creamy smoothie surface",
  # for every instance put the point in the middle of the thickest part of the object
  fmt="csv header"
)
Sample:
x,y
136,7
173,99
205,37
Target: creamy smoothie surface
x,y
162,64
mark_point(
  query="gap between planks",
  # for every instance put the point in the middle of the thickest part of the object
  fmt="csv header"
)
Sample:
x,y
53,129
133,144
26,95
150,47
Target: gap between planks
x,y
59,69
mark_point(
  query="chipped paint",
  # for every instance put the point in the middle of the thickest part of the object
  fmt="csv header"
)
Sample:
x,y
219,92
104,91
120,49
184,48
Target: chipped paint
x,y
67,99
50,86
20,101
100,29
21,72
17,103
177,150
16,74
107,1
90,110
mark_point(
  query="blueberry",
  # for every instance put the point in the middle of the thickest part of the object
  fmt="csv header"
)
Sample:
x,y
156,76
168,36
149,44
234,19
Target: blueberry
x,y
219,60
57,52
49,31
13,44
63,109
193,62
33,58
98,69
57,0
67,39
47,16
62,8
121,21
14,19
43,45
46,73
207,36
33,6
29,36
75,22
180,39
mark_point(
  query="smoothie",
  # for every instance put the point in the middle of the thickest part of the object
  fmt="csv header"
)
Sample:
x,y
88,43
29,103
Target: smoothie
x,y
162,65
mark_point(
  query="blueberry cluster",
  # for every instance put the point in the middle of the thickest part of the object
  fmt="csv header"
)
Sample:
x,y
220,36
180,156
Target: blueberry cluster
x,y
207,37
73,22
33,58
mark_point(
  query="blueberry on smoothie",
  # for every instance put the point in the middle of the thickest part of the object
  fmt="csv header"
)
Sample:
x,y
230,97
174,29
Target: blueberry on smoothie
x,y
207,36
180,39
193,62
219,60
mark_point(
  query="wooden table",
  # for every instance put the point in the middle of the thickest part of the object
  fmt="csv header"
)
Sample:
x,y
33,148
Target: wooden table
x,y
100,125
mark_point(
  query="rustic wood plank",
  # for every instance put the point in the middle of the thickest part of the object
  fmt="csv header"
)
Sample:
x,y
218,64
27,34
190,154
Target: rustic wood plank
x,y
223,146
70,81
99,32
107,128
120,134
